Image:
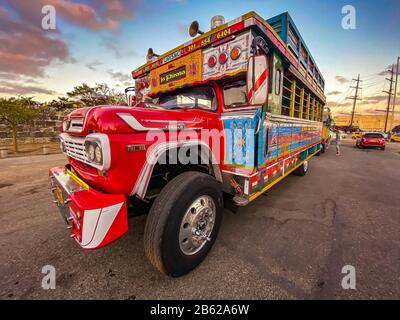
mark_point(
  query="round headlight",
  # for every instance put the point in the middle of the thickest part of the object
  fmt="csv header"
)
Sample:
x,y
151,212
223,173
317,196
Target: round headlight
x,y
65,125
98,154
91,152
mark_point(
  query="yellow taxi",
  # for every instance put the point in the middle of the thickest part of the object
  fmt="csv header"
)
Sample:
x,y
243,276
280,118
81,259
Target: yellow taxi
x,y
356,135
395,137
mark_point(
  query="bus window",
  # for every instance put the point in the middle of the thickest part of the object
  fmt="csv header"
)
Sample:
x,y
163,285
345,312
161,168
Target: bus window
x,y
278,78
235,94
266,142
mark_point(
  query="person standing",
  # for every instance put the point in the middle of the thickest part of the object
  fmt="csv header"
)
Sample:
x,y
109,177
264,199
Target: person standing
x,y
338,140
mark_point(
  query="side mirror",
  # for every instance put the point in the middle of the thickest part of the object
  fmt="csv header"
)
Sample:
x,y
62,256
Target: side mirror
x,y
257,79
130,96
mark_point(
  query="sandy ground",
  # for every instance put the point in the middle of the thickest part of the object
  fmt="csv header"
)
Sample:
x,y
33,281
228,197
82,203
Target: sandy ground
x,y
289,244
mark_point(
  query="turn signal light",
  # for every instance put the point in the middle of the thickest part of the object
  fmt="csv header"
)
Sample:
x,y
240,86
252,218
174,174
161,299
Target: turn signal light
x,y
235,53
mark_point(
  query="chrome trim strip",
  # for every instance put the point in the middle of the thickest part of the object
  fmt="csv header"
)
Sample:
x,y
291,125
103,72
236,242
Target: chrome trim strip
x,y
131,121
154,154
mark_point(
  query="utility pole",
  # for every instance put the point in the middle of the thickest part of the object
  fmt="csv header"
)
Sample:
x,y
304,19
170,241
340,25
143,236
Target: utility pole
x,y
395,93
389,97
355,98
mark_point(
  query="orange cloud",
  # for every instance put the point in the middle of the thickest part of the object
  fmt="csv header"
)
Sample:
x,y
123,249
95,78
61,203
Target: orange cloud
x,y
97,15
26,49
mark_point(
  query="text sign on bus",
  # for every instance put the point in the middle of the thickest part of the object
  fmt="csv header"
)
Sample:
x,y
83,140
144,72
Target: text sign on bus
x,y
173,75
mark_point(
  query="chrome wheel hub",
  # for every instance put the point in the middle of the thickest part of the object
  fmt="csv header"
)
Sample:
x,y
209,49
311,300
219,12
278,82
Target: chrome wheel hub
x,y
197,225
305,166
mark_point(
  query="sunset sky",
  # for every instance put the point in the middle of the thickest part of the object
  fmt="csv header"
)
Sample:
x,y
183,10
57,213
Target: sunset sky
x,y
103,40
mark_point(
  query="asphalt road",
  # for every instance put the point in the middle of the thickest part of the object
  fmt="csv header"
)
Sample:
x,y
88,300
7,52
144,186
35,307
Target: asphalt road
x,y
290,244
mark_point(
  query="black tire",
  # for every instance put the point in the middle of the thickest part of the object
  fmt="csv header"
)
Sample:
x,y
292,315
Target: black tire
x,y
320,151
302,170
383,148
161,235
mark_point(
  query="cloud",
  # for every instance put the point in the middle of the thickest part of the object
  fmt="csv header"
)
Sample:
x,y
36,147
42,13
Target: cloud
x,y
15,88
93,65
332,104
342,79
375,99
124,79
333,93
27,49
94,15
388,69
119,51
119,76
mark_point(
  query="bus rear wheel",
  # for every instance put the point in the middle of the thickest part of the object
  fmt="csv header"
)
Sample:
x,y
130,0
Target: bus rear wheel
x,y
302,170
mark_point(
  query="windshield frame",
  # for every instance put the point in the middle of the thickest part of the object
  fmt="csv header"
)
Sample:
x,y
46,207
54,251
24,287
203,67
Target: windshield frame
x,y
214,101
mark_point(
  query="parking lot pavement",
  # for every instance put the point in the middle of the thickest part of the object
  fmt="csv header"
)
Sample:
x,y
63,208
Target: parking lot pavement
x,y
291,243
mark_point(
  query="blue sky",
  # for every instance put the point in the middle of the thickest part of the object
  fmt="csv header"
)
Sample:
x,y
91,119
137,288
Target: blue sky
x,y
104,55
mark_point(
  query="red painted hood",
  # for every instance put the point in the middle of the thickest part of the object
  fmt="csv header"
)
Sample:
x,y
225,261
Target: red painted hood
x,y
111,119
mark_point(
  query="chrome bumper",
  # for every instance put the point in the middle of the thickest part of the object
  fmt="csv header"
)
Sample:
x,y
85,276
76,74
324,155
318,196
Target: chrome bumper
x,y
63,183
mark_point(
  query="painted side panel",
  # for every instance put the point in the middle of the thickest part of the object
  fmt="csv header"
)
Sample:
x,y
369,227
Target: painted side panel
x,y
283,142
240,140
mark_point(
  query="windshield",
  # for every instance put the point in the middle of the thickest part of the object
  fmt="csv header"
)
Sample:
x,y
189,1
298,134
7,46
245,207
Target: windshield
x,y
235,94
202,97
373,135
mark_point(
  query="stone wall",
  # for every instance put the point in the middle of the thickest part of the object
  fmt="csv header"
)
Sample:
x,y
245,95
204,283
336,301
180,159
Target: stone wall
x,y
45,128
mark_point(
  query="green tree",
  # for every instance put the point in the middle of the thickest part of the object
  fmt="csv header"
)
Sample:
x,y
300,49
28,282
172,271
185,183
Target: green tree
x,y
61,104
15,111
100,94
87,95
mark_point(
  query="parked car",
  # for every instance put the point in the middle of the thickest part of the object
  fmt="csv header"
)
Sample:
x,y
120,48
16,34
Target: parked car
x,y
371,139
356,135
395,137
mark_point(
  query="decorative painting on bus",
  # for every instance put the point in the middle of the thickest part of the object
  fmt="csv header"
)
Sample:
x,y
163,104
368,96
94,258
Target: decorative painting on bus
x,y
240,144
142,88
283,140
227,58
178,73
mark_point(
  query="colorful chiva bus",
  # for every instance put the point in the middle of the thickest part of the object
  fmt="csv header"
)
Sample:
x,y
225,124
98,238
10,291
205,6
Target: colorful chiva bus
x,y
252,83
273,121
